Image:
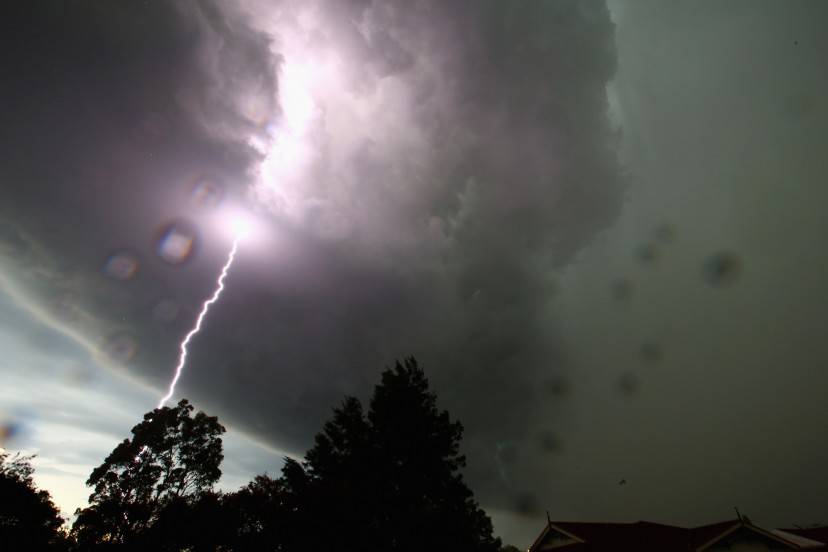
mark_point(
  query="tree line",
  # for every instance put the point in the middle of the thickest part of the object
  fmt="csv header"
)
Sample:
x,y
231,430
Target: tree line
x,y
385,479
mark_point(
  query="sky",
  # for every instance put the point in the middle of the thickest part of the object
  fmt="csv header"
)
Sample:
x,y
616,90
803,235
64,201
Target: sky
x,y
597,225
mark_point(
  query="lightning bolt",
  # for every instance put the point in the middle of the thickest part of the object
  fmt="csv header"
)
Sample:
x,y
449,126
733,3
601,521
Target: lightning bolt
x,y
182,357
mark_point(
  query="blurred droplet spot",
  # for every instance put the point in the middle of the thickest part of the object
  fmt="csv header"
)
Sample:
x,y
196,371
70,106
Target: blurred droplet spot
x,y
551,288
165,310
12,243
722,269
507,452
153,127
15,427
650,352
621,289
549,442
558,387
527,504
176,242
120,347
79,375
628,383
646,253
327,222
64,307
121,266
206,192
665,232
8,431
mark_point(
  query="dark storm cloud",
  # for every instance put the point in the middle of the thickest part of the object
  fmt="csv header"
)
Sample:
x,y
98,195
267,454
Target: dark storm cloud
x,y
489,162
105,131
436,228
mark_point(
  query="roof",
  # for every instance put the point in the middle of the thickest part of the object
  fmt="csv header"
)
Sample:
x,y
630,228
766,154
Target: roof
x,y
814,534
566,536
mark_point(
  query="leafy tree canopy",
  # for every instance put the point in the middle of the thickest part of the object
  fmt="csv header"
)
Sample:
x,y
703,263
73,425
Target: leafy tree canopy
x,y
171,456
388,479
29,520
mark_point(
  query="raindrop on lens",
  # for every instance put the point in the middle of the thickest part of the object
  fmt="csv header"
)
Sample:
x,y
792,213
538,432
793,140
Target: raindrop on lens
x,y
665,232
722,269
527,504
628,383
549,442
121,266
622,289
647,253
206,193
165,310
121,347
9,429
177,242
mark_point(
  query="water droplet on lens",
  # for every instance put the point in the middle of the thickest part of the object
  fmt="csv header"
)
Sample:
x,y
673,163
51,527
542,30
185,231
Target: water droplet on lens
x,y
64,307
177,242
665,232
549,442
165,310
120,347
12,243
622,289
206,193
722,269
121,266
647,253
650,352
628,383
527,504
507,453
9,430
558,387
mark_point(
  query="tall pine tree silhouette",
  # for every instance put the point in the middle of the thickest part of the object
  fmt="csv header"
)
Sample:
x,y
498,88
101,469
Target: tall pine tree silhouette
x,y
388,480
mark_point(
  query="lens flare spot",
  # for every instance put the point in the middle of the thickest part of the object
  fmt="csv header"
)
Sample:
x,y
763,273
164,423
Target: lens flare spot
x,y
628,383
549,441
206,193
165,310
666,232
722,269
9,429
621,289
647,253
121,266
120,347
558,387
15,426
650,352
177,242
64,307
526,504
79,375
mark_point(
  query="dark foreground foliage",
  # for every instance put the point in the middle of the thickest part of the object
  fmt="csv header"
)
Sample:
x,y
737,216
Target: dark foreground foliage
x,y
29,520
385,479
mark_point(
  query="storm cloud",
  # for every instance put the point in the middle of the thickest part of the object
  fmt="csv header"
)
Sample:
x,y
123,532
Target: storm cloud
x,y
463,156
587,224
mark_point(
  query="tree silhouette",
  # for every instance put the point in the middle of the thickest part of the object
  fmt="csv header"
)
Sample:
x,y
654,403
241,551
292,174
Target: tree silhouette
x,y
29,520
258,516
389,480
173,457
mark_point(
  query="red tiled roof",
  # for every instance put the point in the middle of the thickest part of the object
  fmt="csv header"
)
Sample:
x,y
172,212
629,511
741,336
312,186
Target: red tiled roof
x,y
814,533
705,533
645,536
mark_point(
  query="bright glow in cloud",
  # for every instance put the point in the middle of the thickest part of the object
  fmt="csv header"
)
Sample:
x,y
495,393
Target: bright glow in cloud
x,y
241,226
